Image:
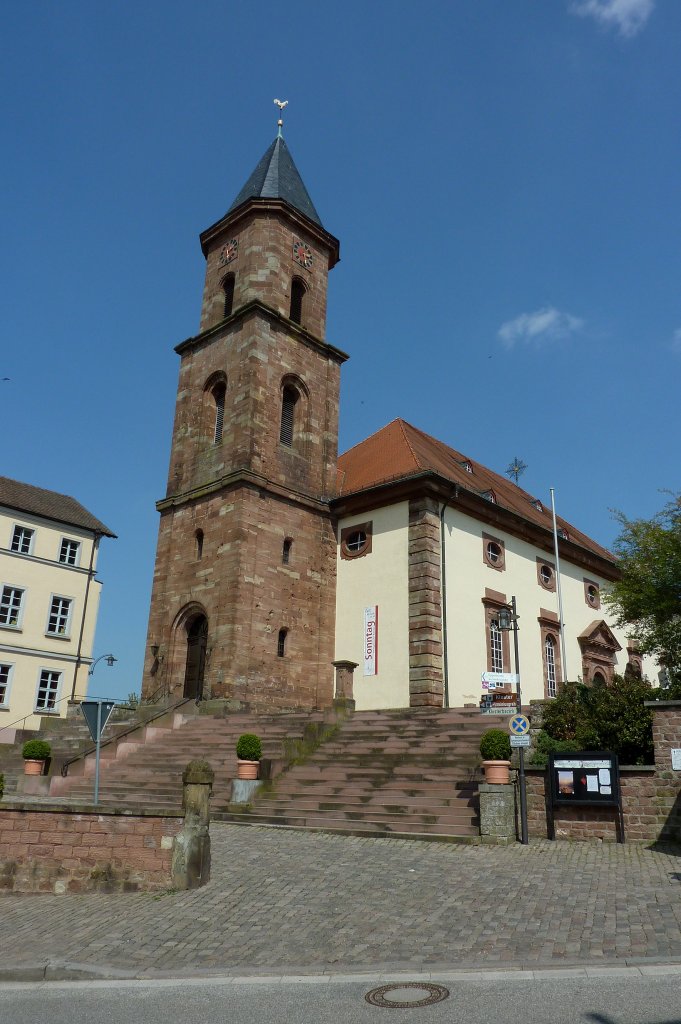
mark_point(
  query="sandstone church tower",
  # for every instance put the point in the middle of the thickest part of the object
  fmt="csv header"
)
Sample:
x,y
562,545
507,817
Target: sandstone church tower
x,y
244,583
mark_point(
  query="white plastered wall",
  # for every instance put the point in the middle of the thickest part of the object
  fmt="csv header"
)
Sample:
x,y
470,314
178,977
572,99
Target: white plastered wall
x,y
27,648
379,578
468,575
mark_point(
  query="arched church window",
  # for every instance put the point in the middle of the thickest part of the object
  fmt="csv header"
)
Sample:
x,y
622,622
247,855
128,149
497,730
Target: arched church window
x,y
218,393
281,643
286,551
289,399
297,295
228,289
550,654
198,537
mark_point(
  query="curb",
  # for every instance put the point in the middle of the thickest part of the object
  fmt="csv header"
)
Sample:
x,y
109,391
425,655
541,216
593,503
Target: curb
x,y
55,971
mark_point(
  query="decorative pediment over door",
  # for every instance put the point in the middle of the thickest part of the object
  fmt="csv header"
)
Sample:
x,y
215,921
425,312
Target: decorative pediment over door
x,y
599,647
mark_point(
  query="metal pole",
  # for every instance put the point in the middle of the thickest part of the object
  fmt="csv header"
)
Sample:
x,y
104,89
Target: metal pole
x,y
560,596
519,707
99,734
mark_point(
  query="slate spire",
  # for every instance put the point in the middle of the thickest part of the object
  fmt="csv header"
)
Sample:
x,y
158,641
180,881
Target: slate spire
x,y
277,177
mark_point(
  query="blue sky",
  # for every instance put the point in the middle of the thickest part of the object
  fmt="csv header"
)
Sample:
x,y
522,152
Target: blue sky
x,y
503,176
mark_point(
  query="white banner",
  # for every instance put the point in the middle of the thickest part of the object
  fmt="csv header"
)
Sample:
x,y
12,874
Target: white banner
x,y
371,641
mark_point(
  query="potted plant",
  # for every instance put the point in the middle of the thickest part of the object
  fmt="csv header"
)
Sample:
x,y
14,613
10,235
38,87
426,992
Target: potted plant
x,y
495,747
35,753
248,752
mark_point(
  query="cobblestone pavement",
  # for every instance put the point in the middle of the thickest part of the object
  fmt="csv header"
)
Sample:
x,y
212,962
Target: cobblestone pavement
x,y
291,901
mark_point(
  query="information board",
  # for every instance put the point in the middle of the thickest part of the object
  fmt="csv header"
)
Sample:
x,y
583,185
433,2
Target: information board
x,y
585,778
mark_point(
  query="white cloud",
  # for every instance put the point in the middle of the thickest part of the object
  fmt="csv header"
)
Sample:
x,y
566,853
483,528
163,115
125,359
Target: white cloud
x,y
546,324
676,341
626,16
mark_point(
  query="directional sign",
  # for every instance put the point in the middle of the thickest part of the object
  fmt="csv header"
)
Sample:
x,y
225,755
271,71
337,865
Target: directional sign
x,y
520,741
500,709
89,709
499,677
519,725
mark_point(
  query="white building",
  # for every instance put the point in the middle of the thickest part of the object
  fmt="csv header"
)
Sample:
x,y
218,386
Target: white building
x,y
49,599
431,546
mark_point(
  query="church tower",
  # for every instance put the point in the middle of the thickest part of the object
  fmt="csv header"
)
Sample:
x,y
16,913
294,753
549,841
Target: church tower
x,y
243,599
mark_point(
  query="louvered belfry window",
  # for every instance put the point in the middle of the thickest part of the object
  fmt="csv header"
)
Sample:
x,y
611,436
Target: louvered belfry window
x,y
297,295
219,398
288,415
228,288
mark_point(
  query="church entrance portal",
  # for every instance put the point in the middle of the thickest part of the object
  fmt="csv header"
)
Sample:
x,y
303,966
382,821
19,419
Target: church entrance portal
x,y
197,638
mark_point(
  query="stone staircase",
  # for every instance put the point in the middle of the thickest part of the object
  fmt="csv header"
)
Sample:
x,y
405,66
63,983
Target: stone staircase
x,y
410,772
406,772
67,737
145,767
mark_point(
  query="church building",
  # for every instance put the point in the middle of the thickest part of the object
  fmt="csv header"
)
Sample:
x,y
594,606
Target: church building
x,y
276,559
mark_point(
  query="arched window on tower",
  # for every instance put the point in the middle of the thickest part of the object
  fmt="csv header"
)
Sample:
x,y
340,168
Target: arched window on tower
x,y
286,551
198,537
289,398
218,394
281,643
298,290
228,289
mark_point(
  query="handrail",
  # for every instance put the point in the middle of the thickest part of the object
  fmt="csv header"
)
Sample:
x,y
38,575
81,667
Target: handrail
x,y
120,735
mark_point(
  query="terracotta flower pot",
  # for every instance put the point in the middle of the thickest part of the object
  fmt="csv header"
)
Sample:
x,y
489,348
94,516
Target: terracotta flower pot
x,y
247,769
497,771
34,767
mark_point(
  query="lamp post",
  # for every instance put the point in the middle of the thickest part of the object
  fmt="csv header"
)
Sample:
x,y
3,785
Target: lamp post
x,y
507,620
108,658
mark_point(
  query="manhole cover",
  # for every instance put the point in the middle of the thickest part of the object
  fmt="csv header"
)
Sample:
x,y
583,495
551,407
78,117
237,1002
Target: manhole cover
x,y
406,995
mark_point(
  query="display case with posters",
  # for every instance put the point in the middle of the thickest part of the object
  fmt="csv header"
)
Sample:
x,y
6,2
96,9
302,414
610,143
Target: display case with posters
x,y
587,778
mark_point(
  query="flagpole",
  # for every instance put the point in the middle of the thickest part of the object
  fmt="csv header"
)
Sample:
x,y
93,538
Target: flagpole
x,y
560,596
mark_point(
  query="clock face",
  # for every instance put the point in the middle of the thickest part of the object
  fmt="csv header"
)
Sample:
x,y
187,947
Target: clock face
x,y
302,254
229,252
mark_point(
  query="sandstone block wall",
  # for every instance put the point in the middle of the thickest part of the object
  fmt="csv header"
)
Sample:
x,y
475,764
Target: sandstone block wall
x,y
60,849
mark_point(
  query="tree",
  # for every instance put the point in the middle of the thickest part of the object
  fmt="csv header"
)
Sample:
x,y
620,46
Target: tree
x,y
646,600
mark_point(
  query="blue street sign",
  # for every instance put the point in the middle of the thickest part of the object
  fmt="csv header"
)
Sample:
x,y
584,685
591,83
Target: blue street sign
x,y
519,725
93,719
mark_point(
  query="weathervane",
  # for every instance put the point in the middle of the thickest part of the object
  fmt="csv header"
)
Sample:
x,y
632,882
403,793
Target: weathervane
x,y
280,123
516,468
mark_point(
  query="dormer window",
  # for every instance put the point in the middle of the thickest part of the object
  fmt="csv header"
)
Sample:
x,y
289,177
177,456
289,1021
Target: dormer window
x,y
536,503
489,496
563,534
466,465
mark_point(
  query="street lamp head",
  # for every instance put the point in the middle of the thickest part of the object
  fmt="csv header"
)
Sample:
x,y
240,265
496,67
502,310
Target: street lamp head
x,y
505,618
110,660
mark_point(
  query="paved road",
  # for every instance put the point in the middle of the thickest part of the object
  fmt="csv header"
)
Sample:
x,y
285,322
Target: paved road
x,y
297,902
615,997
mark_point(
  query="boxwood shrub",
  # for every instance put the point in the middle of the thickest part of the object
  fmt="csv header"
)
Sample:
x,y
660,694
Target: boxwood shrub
x,y
249,747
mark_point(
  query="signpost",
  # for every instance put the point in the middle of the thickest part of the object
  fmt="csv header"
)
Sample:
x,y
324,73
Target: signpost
x,y
97,713
520,741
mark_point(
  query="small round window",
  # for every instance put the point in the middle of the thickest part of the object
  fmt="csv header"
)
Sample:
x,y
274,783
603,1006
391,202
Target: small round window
x,y
494,553
592,595
356,542
546,575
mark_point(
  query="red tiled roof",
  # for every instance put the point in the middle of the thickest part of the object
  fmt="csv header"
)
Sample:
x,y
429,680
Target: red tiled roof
x,y
399,451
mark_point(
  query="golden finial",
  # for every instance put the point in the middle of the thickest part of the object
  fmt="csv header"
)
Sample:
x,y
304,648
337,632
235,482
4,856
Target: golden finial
x,y
280,123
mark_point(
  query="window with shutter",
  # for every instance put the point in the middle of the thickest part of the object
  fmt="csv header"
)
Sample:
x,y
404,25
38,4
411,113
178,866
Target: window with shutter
x,y
288,411
228,288
297,295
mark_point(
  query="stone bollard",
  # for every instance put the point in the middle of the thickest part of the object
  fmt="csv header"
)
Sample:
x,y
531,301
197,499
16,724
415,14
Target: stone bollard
x,y
191,849
497,813
343,698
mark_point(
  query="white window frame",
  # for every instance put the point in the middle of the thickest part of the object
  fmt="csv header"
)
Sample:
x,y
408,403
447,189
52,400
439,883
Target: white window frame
x,y
496,642
79,547
28,529
57,693
4,701
550,655
22,603
66,635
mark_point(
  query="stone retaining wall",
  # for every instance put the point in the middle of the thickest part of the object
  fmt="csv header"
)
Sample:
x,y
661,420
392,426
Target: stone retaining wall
x,y
651,795
60,848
